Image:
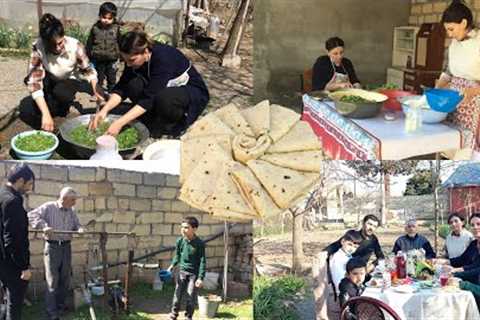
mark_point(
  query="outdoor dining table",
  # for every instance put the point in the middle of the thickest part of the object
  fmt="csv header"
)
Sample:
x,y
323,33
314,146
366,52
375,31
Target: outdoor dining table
x,y
374,138
428,304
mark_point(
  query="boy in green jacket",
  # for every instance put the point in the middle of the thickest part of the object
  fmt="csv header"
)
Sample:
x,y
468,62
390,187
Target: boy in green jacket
x,y
190,256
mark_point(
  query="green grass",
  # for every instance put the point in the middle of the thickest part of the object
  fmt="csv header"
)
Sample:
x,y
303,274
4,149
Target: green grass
x,y
270,295
141,293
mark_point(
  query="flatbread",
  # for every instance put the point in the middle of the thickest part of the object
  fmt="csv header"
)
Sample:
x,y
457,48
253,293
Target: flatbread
x,y
208,125
299,160
200,185
253,192
227,198
281,121
195,148
231,116
300,138
258,117
246,148
282,184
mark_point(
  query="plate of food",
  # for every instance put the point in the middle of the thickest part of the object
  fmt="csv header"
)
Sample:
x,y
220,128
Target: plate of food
x,y
405,289
375,283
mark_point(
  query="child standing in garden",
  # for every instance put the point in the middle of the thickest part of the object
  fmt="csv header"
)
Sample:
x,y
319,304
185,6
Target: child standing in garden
x,y
102,44
190,256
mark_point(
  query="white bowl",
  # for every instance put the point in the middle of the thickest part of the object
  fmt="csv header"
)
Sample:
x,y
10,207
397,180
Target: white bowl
x,y
166,153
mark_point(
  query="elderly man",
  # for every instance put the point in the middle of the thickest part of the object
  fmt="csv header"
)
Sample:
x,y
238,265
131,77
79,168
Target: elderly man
x,y
60,216
14,245
412,240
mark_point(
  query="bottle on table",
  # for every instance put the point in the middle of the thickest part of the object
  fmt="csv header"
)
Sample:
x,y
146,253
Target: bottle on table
x,y
400,261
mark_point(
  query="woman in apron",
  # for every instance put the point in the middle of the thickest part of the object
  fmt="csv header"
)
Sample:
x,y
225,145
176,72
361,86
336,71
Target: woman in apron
x,y
167,92
333,71
463,74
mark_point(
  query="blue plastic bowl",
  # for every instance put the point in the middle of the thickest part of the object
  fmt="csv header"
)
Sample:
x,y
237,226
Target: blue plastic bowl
x,y
39,155
443,100
165,275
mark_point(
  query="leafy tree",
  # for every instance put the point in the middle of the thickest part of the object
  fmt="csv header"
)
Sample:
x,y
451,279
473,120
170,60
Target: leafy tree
x,y
420,183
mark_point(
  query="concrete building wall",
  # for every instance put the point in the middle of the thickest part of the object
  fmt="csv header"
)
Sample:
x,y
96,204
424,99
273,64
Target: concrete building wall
x,y
290,35
128,201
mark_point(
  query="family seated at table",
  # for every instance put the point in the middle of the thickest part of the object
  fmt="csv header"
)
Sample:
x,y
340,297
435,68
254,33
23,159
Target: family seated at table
x,y
358,249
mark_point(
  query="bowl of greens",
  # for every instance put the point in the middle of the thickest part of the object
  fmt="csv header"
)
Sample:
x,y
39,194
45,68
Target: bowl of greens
x,y
75,132
34,145
358,103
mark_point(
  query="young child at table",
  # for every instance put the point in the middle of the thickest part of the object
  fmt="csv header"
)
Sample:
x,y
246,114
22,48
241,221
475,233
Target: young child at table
x,y
102,44
190,256
352,285
338,261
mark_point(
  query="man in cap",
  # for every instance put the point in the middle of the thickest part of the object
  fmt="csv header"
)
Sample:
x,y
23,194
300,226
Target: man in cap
x,y
412,240
14,245
60,216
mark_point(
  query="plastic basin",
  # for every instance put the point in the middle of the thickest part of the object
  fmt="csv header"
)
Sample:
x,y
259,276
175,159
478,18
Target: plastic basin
x,y
443,100
165,275
39,155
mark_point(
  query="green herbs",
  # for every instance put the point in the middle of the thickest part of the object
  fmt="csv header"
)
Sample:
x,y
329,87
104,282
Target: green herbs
x,y
386,86
354,99
35,142
126,139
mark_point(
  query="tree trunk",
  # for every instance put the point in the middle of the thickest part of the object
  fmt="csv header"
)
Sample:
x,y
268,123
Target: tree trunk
x,y
297,240
230,57
383,210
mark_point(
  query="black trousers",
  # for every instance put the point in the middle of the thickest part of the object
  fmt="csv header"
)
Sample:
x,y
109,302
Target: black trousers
x,y
185,286
168,114
108,70
15,289
59,96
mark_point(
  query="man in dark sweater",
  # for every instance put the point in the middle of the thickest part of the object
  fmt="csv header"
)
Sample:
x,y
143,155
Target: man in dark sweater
x,y
190,256
368,247
14,245
412,240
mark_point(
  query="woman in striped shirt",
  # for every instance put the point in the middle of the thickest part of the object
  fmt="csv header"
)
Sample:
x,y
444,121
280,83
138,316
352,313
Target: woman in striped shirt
x,y
58,69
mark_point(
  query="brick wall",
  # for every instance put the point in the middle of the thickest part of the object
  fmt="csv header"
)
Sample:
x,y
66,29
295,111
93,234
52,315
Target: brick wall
x,y
120,200
428,11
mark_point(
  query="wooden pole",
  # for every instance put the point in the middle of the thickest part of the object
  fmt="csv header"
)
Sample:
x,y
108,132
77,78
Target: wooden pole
x,y
225,263
230,57
39,9
128,277
103,250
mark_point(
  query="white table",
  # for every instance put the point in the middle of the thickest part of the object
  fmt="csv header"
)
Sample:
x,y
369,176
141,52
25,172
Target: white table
x,y
429,304
375,138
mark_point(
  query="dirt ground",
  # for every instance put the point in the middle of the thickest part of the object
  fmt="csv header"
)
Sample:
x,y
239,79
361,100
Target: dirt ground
x,y
225,86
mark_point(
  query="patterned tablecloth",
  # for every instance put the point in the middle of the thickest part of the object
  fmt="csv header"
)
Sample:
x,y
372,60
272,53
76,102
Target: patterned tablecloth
x,y
429,304
376,138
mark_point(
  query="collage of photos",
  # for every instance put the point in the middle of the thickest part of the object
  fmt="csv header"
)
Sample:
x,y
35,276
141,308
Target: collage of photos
x,y
240,159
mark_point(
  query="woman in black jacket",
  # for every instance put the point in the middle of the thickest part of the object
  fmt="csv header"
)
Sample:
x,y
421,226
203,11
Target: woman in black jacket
x,y
167,92
333,71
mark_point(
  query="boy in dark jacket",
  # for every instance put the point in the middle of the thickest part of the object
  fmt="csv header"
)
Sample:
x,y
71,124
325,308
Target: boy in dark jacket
x,y
190,256
352,285
102,44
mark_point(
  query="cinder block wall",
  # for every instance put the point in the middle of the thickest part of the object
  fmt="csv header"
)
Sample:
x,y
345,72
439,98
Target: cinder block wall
x,y
429,11
119,200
